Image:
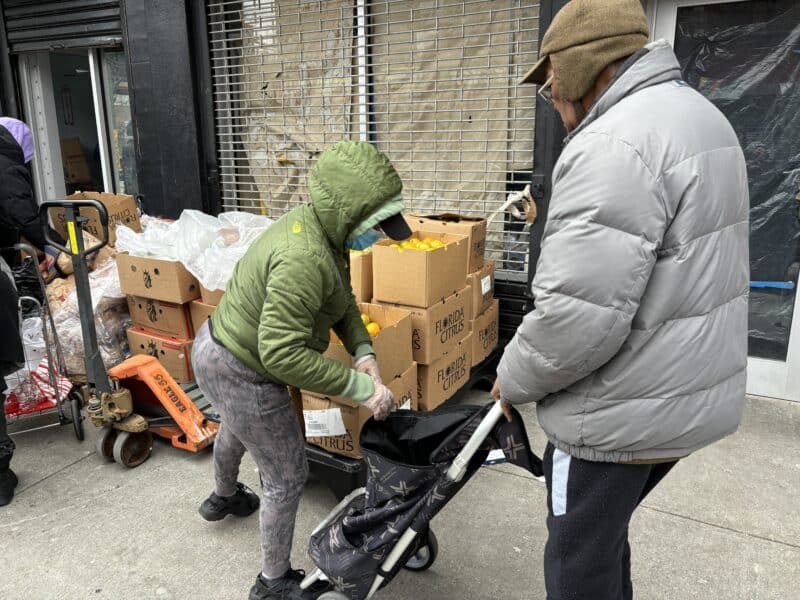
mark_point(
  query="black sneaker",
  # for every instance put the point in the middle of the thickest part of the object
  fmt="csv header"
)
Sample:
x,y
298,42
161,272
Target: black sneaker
x,y
242,504
8,481
285,588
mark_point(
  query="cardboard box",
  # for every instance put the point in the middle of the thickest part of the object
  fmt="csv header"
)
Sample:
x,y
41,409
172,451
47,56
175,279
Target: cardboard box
x,y
482,283
121,209
76,167
211,297
392,345
157,279
438,329
200,312
439,381
361,275
168,318
323,416
175,354
417,277
474,228
485,333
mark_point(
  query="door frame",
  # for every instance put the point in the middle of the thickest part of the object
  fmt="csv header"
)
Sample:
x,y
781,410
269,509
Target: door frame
x,y
772,378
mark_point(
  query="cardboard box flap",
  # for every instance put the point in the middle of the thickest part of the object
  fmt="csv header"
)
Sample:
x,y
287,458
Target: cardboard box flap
x,y
122,209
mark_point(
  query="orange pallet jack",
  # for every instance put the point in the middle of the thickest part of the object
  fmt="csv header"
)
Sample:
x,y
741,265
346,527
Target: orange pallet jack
x,y
141,398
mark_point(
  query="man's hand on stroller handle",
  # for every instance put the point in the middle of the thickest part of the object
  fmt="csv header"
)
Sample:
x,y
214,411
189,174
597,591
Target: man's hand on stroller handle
x,y
505,406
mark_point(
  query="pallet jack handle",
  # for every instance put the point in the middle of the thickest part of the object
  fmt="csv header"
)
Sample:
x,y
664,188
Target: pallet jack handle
x,y
74,221
96,375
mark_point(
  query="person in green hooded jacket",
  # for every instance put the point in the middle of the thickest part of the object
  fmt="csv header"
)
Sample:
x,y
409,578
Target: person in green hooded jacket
x,y
270,331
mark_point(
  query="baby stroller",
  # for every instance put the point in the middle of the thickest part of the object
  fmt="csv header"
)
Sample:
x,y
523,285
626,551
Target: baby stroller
x,y
416,462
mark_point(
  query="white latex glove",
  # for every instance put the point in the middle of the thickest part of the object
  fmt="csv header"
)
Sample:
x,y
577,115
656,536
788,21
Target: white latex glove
x,y
381,403
369,365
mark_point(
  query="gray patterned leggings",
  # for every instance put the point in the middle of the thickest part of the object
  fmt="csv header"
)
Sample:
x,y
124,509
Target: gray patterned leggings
x,y
256,416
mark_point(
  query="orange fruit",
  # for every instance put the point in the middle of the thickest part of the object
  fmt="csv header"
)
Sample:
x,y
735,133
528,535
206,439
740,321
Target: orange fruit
x,y
373,329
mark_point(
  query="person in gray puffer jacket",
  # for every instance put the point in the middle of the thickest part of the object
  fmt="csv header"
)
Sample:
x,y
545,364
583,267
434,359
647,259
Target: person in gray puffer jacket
x,y
636,350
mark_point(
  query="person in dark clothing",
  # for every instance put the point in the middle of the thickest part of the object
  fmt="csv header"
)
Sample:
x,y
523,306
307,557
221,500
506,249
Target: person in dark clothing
x,y
19,211
19,217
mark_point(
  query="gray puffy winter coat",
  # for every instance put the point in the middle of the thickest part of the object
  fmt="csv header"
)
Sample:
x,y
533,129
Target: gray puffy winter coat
x,y
637,346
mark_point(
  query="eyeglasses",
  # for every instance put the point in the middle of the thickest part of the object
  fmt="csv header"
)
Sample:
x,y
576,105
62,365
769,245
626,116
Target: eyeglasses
x,y
545,92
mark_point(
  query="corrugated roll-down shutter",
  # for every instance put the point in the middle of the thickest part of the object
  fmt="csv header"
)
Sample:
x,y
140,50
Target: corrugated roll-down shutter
x,y
44,25
433,83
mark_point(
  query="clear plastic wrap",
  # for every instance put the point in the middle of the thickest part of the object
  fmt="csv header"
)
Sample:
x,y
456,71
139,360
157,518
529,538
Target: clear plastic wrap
x,y
209,247
111,320
747,62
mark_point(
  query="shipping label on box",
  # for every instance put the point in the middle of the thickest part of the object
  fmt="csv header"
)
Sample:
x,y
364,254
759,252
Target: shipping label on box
x,y
329,415
473,228
174,354
485,333
482,283
157,279
361,275
419,277
200,313
168,318
438,329
122,209
392,345
439,381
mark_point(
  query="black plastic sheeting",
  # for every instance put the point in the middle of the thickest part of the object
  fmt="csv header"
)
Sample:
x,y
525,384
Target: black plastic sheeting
x,y
745,57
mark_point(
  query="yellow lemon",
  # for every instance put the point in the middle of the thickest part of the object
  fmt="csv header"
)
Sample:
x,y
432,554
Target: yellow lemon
x,y
396,246
365,319
424,246
373,329
437,244
428,240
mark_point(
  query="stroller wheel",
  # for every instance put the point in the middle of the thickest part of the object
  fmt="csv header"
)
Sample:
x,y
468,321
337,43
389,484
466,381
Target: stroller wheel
x,y
425,556
75,404
333,596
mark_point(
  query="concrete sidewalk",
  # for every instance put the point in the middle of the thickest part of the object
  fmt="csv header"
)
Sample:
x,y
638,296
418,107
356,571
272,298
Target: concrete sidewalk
x,y
725,524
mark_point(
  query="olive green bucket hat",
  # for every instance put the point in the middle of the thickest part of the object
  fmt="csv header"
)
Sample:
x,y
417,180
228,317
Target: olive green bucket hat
x,y
584,38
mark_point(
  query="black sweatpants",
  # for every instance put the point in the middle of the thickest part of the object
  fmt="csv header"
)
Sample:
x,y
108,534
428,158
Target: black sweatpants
x,y
590,504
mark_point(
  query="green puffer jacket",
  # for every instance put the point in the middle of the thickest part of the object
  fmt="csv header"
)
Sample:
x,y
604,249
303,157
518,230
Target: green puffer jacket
x,y
293,284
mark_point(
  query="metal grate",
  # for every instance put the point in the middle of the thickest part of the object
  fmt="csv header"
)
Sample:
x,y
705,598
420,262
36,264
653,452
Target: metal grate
x,y
432,83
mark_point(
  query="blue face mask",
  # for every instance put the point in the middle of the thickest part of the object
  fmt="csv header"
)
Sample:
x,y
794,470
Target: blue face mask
x,y
363,241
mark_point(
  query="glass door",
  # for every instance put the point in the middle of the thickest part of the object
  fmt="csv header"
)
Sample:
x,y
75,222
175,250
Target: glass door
x,y
744,55
77,104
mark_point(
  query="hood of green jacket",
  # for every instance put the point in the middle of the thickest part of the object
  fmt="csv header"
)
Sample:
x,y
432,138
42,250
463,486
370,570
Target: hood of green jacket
x,y
352,183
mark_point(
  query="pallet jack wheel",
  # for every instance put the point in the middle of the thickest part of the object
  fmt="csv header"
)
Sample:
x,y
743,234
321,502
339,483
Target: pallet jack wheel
x,y
104,444
132,449
75,404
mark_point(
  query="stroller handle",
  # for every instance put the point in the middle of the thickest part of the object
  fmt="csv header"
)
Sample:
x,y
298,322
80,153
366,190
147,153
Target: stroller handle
x,y
459,467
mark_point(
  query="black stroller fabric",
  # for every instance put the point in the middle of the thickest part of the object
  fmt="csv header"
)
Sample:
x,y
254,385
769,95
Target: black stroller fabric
x,y
26,277
407,458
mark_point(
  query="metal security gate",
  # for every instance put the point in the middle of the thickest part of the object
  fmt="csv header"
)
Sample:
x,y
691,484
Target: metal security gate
x,y
432,83
47,24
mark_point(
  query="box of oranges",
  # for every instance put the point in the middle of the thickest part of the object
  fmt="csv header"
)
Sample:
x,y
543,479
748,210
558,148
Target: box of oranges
x,y
390,329
420,271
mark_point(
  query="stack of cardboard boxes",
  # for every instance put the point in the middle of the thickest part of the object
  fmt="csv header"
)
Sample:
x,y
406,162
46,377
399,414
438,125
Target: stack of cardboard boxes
x,y
485,309
438,318
163,300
